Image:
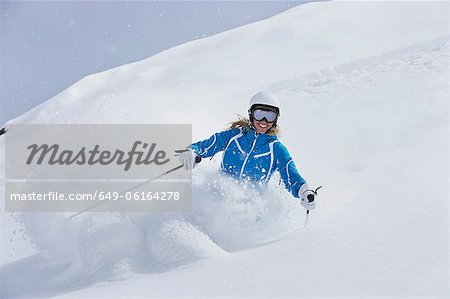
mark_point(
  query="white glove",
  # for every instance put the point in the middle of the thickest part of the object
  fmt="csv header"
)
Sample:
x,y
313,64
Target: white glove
x,y
187,158
308,197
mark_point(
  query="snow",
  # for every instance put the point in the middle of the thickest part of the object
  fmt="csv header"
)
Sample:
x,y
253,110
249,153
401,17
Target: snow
x,y
364,112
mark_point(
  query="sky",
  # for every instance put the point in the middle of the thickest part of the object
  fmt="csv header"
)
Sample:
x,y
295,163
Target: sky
x,y
47,46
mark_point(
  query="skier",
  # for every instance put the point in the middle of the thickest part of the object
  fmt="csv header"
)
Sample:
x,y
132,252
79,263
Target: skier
x,y
252,150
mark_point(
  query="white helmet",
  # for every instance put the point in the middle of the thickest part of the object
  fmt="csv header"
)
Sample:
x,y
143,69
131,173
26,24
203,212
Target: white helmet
x,y
264,98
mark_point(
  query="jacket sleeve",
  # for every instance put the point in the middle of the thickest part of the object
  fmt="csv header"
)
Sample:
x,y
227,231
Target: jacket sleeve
x,y
214,144
288,171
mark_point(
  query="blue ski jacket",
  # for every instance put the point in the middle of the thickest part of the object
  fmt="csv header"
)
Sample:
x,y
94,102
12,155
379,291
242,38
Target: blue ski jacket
x,y
253,156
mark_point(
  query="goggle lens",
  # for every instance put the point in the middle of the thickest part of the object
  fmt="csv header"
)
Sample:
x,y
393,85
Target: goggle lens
x,y
260,114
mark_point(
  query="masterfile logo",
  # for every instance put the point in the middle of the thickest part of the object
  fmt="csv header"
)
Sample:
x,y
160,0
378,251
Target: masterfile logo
x,y
53,155
72,167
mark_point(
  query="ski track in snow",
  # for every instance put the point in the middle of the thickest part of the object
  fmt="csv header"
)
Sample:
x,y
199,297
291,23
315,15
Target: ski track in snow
x,y
227,216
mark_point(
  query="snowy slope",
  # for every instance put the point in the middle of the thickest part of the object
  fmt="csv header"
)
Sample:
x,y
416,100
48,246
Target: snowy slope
x,y
381,229
222,71
365,112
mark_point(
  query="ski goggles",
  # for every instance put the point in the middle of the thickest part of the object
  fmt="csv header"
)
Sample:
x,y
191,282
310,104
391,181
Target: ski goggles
x,y
260,114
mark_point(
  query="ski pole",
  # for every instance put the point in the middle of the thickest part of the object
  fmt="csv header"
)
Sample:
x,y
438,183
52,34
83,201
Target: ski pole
x,y
128,190
310,200
306,219
197,160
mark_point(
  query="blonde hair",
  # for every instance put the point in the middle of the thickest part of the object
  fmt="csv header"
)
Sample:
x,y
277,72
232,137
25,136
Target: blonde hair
x,y
244,123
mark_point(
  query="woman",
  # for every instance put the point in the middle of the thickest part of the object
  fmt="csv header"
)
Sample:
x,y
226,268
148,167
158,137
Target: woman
x,y
252,150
